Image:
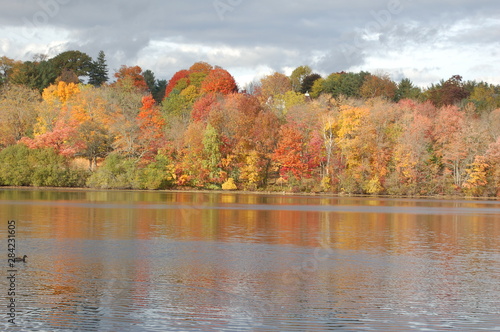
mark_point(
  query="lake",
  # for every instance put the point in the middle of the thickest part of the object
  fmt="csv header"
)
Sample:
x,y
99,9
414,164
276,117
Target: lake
x,y
182,261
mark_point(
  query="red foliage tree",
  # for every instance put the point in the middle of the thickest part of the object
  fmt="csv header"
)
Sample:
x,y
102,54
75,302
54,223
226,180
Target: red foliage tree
x,y
219,80
176,78
60,139
201,108
448,93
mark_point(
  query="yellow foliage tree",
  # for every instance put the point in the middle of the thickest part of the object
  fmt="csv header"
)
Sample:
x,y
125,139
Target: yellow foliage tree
x,y
477,174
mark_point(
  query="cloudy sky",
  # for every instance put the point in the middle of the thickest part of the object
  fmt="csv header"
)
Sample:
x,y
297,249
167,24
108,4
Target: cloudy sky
x,y
424,40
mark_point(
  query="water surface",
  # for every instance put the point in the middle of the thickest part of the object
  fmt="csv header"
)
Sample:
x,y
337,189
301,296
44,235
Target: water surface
x,y
166,261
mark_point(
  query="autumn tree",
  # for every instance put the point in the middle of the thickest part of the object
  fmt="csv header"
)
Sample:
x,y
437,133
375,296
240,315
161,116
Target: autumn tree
x,y
191,168
290,154
413,171
219,80
297,77
447,92
133,74
485,97
93,141
202,107
121,110
492,158
6,68
181,74
198,72
378,86
151,125
68,76
179,105
350,139
308,82
273,85
71,121
457,141
317,88
18,106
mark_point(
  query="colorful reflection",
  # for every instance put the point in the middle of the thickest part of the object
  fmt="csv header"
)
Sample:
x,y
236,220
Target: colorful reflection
x,y
105,259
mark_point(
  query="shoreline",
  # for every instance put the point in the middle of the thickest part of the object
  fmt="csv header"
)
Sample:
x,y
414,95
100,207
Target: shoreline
x,y
249,192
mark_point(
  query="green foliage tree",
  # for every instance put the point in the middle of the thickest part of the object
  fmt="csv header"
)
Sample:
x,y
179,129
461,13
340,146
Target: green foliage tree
x,y
406,90
485,97
98,72
176,105
211,151
346,84
93,141
35,75
150,79
159,92
80,63
317,88
297,77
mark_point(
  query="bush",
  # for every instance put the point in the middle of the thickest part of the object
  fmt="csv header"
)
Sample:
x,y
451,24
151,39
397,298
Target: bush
x,y
117,172
51,170
21,166
15,169
159,174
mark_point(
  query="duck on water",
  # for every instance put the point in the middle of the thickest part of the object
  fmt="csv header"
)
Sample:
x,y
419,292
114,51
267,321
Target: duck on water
x,y
19,259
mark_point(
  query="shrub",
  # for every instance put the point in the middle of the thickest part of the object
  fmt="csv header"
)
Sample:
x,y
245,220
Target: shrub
x,y
159,174
117,172
21,166
15,169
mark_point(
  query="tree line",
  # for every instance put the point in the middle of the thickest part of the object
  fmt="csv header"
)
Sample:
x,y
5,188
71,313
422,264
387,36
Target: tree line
x,y
353,133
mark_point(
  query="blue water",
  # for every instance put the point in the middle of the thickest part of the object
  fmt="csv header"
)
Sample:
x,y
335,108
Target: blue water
x,y
156,261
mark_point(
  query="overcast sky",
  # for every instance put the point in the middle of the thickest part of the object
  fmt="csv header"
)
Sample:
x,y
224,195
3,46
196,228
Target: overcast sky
x,y
424,40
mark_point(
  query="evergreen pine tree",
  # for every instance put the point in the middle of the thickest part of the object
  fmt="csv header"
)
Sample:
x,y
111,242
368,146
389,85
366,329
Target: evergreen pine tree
x,y
99,71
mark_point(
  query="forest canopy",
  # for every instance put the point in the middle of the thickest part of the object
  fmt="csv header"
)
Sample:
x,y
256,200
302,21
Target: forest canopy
x,y
63,123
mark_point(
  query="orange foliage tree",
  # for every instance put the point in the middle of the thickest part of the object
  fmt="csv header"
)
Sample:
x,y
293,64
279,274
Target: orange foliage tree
x,y
290,153
151,126
219,80
132,74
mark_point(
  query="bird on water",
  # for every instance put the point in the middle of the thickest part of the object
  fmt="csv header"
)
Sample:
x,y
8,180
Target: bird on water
x,y
19,259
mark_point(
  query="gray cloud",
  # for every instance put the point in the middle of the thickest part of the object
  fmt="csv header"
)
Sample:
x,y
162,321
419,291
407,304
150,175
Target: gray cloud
x,y
330,36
